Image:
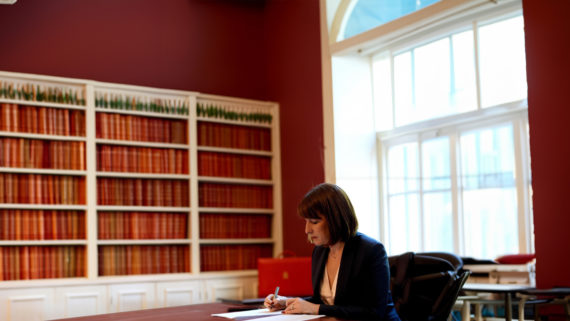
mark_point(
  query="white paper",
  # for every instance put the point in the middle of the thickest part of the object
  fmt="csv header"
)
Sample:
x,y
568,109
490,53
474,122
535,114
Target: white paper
x,y
291,317
267,316
247,313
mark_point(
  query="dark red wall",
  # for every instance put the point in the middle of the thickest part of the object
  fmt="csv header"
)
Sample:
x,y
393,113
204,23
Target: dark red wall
x,y
294,70
212,46
268,50
547,28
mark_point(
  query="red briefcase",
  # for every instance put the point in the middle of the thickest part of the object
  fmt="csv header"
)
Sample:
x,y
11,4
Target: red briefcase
x,y
291,274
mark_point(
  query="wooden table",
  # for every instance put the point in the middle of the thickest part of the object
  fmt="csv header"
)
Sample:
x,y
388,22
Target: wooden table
x,y
555,296
507,290
196,312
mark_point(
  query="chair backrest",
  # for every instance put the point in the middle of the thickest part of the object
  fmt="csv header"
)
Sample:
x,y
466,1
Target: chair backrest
x,y
425,285
454,259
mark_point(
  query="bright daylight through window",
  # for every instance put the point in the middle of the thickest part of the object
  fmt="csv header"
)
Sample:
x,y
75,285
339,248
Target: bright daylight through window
x,y
450,114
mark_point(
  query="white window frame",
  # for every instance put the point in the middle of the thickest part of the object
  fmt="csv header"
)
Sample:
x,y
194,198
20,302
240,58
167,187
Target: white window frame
x,y
452,127
439,20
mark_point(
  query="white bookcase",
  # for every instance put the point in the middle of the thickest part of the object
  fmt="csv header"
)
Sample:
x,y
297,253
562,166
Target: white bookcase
x,y
169,196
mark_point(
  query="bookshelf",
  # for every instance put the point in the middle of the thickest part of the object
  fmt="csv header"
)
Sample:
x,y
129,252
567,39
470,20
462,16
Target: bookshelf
x,y
42,180
104,185
143,181
236,183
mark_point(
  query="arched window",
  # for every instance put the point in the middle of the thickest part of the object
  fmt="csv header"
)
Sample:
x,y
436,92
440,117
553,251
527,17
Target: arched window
x,y
367,14
431,125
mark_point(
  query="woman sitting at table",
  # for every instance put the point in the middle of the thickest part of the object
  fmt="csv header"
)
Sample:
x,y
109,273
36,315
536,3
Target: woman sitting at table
x,y
350,273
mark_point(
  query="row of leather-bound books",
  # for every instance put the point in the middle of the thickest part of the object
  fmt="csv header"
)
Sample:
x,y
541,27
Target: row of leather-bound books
x,y
143,192
234,226
42,120
43,154
140,128
21,224
143,259
235,195
41,262
234,136
234,165
113,158
229,257
141,225
41,189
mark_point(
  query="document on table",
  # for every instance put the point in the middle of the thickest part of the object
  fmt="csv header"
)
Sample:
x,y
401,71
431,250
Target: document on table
x,y
267,316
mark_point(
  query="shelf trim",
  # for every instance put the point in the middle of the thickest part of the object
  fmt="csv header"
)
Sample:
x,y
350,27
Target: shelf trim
x,y
43,136
61,207
115,208
235,210
236,241
42,242
234,180
140,143
233,122
234,151
140,113
42,104
144,242
144,175
21,170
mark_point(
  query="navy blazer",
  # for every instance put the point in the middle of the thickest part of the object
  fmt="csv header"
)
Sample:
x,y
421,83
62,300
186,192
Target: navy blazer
x,y
363,284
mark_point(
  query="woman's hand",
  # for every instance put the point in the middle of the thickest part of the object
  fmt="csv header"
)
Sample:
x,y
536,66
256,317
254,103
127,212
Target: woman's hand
x,y
275,303
300,306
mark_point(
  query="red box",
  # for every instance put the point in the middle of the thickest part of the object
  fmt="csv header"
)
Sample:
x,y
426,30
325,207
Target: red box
x,y
291,274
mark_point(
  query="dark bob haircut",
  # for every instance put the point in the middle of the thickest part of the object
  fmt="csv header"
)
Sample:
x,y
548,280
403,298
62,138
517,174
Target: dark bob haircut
x,y
330,201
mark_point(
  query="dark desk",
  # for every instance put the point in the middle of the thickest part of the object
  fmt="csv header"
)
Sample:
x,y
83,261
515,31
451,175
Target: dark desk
x,y
196,312
555,296
507,290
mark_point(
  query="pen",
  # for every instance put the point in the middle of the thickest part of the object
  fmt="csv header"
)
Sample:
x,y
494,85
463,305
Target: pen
x,y
275,295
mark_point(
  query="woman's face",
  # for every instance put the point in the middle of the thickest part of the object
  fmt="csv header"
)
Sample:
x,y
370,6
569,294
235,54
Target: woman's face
x,y
317,230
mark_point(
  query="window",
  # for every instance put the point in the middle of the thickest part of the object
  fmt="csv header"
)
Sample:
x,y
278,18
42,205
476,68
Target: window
x,y
431,127
453,136
367,14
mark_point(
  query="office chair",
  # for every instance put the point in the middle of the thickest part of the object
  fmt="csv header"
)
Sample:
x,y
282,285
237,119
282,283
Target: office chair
x,y
425,285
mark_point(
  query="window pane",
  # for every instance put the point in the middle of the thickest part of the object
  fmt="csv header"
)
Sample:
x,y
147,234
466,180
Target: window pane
x,y
488,158
435,80
403,91
368,14
403,168
436,182
382,83
435,164
502,62
432,79
489,193
490,222
464,91
438,222
404,223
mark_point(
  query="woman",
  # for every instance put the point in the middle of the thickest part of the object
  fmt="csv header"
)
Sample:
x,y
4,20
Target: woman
x,y
350,273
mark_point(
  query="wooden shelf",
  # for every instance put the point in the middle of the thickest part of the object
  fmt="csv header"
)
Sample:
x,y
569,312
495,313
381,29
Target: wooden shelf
x,y
143,175
232,180
41,104
233,122
22,170
234,151
43,136
140,143
140,113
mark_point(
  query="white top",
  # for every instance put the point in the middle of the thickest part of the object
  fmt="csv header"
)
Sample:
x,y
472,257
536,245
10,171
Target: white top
x,y
328,293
